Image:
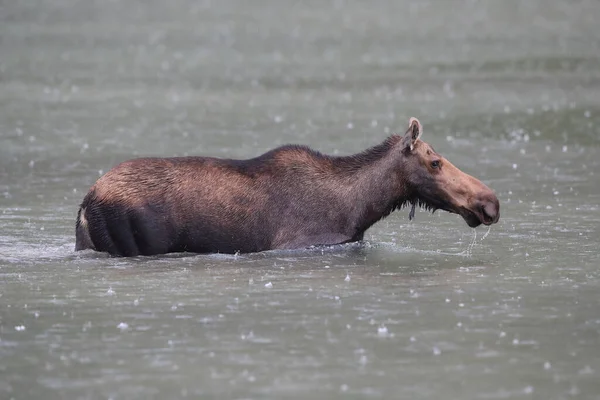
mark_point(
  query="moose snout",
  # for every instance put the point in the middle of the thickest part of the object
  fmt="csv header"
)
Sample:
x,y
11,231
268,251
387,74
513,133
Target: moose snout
x,y
489,207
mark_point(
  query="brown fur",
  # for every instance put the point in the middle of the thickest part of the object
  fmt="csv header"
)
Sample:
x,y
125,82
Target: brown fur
x,y
290,197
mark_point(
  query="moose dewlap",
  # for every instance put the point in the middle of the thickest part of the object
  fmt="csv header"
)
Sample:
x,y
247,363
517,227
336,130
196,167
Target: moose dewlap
x,y
288,198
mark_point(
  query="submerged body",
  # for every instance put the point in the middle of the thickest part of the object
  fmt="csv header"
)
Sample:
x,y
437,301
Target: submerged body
x,y
290,197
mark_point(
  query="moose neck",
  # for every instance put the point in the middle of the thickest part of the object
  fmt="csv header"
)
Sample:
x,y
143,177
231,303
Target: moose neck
x,y
375,181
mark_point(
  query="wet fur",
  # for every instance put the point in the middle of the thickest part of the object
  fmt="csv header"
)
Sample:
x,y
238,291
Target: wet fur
x,y
290,197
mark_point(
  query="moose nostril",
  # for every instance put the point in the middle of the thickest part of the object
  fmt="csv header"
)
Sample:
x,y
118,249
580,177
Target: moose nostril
x,y
489,211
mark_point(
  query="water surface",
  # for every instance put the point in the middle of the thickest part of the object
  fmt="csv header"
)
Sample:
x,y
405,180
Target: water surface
x,y
508,91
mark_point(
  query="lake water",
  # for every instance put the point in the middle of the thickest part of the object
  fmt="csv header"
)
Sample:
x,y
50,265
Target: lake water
x,y
508,91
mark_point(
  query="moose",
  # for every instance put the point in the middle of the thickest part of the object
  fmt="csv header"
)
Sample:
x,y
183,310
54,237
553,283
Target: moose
x,y
291,197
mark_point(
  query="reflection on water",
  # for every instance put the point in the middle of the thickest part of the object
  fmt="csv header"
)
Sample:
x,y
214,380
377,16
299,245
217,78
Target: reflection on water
x,y
422,309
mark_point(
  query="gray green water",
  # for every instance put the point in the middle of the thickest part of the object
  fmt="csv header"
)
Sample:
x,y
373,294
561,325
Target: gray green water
x,y
508,91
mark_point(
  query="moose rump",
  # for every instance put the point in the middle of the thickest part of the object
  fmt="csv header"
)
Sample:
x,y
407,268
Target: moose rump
x,y
290,197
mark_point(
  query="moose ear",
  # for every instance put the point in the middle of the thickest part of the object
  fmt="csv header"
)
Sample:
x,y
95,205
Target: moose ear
x,y
415,129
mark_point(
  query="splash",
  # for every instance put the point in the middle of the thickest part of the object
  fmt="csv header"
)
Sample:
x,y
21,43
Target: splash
x,y
486,233
469,251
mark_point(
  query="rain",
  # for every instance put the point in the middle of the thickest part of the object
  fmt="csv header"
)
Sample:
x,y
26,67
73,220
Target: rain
x,y
423,308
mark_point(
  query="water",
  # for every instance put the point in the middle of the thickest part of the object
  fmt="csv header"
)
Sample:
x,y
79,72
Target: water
x,y
508,91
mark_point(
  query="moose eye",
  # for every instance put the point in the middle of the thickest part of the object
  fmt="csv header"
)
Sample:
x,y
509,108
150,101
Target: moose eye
x,y
435,164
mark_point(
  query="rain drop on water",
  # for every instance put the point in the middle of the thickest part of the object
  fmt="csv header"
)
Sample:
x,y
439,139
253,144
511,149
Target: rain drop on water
x,y
547,365
382,330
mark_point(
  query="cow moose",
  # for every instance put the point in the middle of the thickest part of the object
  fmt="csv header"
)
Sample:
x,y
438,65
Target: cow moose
x,y
288,198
